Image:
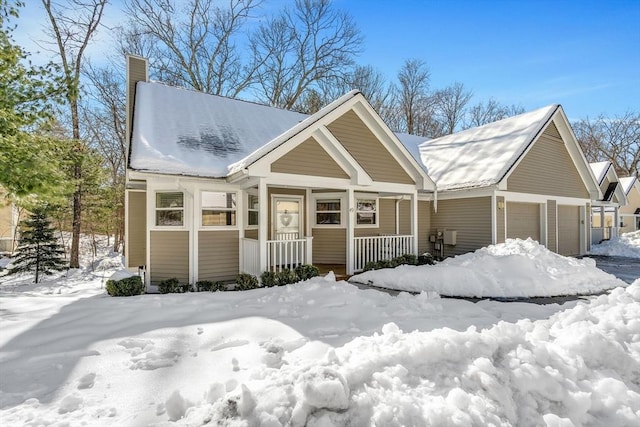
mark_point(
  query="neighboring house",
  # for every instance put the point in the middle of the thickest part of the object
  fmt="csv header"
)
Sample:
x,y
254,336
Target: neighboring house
x,y
630,214
8,224
605,217
520,177
217,186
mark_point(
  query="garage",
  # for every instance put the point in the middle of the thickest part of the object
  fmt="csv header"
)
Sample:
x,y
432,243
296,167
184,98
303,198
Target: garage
x,y
568,230
523,220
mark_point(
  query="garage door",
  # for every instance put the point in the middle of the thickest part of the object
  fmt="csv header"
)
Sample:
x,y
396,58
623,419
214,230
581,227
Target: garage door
x,y
523,220
568,230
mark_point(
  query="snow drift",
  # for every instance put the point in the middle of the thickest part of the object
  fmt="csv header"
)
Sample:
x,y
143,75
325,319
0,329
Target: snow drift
x,y
516,268
625,245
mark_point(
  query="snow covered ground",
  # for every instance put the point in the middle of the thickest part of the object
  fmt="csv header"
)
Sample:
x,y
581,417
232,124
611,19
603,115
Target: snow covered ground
x,y
318,353
625,245
515,269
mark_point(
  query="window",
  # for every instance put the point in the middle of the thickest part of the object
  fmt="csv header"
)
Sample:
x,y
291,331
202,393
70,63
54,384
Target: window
x,y
366,212
252,210
169,209
218,209
328,212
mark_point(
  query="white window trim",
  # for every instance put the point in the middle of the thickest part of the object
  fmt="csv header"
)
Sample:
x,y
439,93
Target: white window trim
x,y
156,208
251,192
332,196
377,211
201,208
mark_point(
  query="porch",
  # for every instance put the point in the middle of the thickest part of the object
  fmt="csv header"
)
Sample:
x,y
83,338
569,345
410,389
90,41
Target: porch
x,y
290,253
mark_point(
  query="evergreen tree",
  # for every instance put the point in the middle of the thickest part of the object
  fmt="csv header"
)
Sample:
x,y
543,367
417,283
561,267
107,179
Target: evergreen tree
x,y
38,250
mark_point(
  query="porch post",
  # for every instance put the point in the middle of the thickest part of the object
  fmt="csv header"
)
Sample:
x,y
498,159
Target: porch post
x,y
414,221
263,212
351,218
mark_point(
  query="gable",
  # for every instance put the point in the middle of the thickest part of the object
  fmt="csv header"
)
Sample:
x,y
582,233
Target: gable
x,y
633,201
547,168
367,150
309,158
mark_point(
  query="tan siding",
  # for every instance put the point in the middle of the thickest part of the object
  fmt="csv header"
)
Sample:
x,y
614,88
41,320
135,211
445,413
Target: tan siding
x,y
471,218
386,216
137,73
368,151
523,221
633,202
424,227
568,230
6,220
309,158
552,225
500,220
169,256
405,217
251,233
218,255
547,169
137,226
329,246
552,131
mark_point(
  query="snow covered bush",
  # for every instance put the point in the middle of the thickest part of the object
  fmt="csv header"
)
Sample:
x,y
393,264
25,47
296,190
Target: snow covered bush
x,y
245,282
209,286
307,271
126,287
426,259
173,286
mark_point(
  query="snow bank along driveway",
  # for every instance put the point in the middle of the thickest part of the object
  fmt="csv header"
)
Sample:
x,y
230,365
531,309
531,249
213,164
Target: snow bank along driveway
x,y
517,268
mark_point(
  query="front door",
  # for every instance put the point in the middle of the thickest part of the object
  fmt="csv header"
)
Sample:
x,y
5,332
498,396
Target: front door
x,y
287,218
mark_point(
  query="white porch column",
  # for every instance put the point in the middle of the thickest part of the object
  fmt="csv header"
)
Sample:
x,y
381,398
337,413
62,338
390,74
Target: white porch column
x,y
414,221
351,219
263,219
240,218
616,220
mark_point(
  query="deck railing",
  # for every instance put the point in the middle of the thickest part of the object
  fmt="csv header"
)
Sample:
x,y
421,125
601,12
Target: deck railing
x,y
281,254
378,248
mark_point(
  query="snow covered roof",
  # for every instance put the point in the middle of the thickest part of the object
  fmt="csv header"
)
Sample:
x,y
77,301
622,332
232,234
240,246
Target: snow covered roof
x,y
480,156
600,169
183,132
627,183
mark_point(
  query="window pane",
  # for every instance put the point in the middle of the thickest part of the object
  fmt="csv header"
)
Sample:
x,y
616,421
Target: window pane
x,y
252,202
366,205
169,217
169,200
214,217
253,218
366,218
328,205
212,199
328,218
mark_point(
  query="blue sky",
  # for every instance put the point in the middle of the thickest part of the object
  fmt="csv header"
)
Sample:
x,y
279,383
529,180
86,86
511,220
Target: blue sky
x,y
584,55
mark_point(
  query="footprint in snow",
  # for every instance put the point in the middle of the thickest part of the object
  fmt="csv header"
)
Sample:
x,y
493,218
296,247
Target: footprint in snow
x,y
87,381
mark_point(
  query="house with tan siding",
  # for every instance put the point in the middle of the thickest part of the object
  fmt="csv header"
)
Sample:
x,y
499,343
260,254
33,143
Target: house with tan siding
x,y
218,186
605,215
520,177
630,213
9,218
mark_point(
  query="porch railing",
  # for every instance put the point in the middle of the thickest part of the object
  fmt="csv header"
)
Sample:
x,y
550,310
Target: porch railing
x,y
281,254
378,248
288,253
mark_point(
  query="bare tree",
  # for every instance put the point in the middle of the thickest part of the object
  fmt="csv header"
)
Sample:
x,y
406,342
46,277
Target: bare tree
x,y
451,103
73,24
193,45
300,48
104,116
413,94
615,139
489,112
